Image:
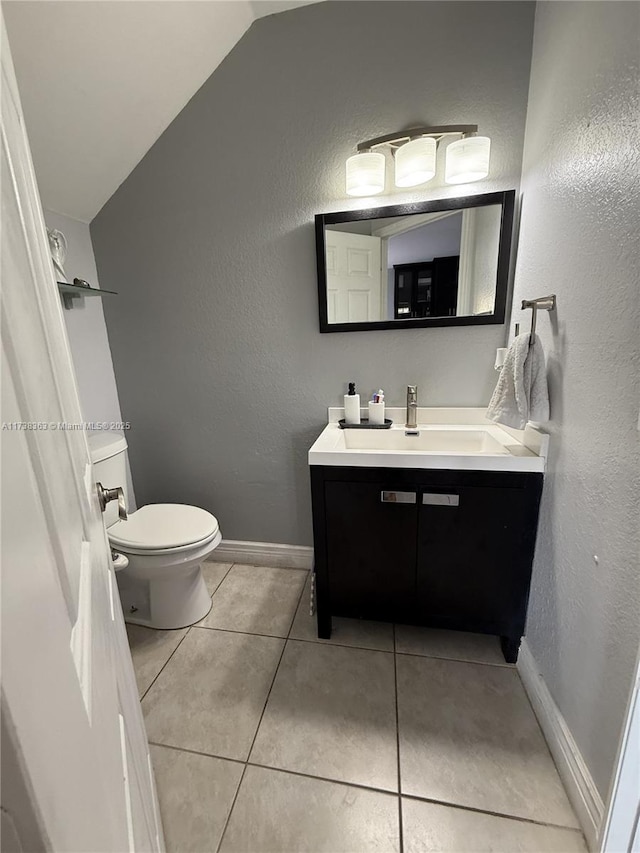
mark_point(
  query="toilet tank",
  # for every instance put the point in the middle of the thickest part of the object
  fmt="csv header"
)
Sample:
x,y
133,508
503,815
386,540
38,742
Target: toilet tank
x,y
108,454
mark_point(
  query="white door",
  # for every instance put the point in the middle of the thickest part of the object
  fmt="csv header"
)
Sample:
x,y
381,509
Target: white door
x,y
354,279
71,719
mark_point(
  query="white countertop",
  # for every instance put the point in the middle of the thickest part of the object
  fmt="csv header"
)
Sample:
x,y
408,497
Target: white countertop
x,y
476,444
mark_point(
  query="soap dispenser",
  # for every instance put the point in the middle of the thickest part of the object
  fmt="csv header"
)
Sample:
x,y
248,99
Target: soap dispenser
x,y
352,405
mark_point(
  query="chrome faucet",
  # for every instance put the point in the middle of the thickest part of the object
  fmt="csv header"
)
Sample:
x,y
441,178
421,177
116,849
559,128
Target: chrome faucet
x,y
412,407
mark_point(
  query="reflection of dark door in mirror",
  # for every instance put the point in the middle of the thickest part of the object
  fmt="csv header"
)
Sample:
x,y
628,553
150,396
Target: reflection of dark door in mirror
x,y
428,289
445,285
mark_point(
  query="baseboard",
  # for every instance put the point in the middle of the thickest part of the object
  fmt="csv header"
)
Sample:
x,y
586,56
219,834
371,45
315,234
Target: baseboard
x,y
572,768
268,554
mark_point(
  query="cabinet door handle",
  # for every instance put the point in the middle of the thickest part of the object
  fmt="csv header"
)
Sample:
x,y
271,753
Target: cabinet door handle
x,y
441,500
398,497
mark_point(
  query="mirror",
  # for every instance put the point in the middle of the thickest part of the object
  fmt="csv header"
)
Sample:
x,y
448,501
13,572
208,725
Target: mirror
x,y
438,263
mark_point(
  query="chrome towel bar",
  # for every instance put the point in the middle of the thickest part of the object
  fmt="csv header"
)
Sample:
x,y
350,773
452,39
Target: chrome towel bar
x,y
544,303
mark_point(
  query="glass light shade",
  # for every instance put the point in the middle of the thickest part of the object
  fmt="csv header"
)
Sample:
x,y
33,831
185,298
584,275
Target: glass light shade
x,y
467,160
365,173
416,162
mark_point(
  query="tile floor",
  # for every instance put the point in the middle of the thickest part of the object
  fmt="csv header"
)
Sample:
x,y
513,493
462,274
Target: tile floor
x,y
385,738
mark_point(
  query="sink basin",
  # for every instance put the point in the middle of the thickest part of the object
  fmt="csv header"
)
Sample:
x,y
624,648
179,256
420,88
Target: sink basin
x,y
453,439
427,441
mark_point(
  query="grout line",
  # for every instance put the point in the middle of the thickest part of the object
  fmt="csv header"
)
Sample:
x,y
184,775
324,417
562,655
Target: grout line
x,y
345,646
197,752
373,788
359,785
395,684
226,823
252,633
244,633
415,797
315,642
295,612
266,701
183,638
222,580
459,660
330,645
186,634
503,815
246,764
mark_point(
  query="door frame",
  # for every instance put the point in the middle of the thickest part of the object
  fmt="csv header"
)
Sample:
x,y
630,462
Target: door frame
x,y
40,794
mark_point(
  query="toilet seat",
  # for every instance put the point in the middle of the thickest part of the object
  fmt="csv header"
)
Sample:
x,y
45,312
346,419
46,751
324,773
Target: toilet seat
x,y
164,529
180,551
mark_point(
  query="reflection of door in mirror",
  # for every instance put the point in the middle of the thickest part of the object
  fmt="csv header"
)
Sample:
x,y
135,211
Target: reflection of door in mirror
x,y
413,290
426,289
422,254
479,245
354,281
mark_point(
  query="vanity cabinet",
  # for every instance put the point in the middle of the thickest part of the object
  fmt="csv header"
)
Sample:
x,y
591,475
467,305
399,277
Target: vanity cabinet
x,y
447,549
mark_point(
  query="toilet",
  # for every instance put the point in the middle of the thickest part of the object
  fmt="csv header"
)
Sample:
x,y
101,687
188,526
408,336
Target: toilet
x,y
160,548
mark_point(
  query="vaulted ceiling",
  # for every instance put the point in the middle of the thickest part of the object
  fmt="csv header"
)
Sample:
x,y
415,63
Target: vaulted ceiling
x,y
101,80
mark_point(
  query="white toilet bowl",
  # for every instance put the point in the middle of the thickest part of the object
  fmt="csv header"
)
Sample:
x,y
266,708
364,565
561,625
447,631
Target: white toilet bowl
x,y
161,546
163,587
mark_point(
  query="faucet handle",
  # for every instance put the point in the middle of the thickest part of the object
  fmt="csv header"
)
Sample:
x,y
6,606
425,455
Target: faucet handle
x,y
412,389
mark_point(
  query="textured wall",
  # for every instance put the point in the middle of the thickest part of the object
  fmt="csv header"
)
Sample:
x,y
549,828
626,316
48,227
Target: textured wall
x,y
86,327
210,241
87,332
578,238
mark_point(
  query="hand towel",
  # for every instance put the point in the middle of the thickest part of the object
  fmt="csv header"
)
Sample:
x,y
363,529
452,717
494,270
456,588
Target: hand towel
x,y
521,394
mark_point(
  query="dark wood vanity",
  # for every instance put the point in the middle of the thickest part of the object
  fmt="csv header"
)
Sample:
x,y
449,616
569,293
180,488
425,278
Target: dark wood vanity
x,y
441,548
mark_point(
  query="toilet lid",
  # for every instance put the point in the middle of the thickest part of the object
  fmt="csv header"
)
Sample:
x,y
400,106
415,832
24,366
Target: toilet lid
x,y
163,526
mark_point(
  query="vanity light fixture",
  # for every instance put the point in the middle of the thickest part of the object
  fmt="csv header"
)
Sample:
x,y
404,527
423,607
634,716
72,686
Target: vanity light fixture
x,y
365,173
414,150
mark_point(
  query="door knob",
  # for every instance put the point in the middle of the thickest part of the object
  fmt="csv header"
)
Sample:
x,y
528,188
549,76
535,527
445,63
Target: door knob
x,y
107,495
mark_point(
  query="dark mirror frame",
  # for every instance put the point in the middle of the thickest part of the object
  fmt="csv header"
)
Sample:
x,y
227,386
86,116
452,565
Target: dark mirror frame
x,y
506,199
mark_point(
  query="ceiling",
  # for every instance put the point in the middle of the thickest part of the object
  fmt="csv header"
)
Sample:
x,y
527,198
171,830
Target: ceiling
x,y
101,80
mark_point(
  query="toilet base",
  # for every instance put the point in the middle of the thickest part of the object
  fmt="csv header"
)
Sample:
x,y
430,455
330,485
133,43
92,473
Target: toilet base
x,y
169,603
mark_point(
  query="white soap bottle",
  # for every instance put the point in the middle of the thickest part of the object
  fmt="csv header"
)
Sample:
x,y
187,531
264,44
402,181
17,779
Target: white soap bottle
x,y
352,405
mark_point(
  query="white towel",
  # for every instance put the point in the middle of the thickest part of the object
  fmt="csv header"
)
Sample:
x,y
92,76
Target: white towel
x,y
521,394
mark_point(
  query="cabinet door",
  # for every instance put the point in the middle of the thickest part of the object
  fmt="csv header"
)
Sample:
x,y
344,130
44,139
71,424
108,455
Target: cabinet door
x,y
473,561
371,549
403,294
445,285
423,292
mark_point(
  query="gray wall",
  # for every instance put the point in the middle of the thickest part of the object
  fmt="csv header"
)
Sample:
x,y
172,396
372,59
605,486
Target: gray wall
x,y
578,237
210,241
86,326
87,332
434,240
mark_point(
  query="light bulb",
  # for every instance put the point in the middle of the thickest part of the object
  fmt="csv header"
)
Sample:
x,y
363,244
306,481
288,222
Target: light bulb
x,y
467,160
365,173
415,162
